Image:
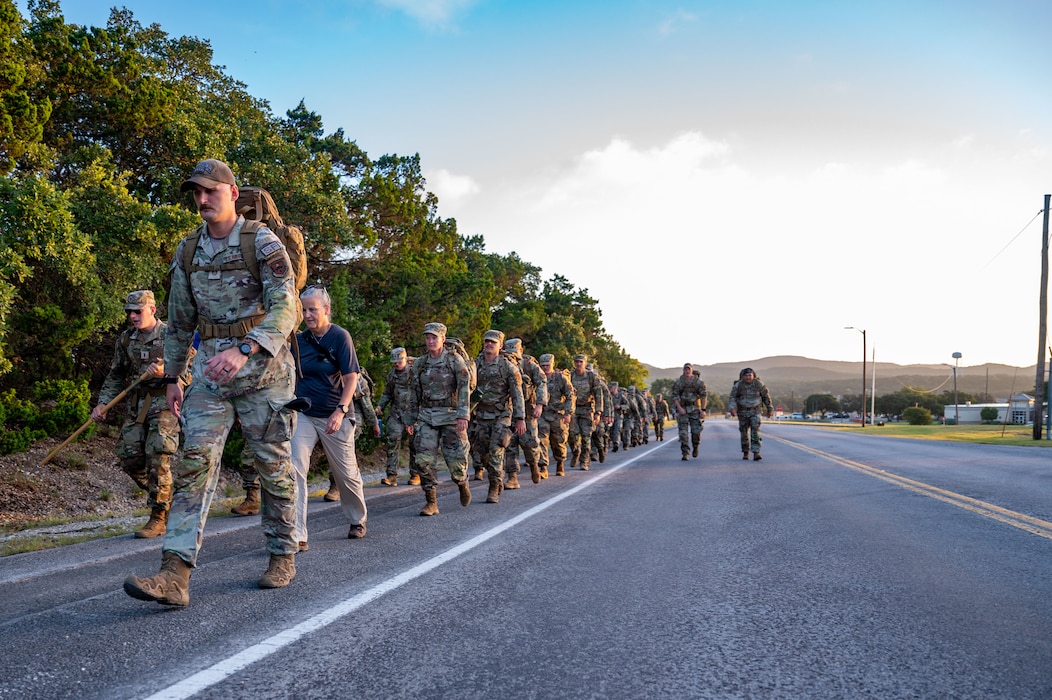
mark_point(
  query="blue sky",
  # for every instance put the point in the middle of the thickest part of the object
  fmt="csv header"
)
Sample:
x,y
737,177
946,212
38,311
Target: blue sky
x,y
730,179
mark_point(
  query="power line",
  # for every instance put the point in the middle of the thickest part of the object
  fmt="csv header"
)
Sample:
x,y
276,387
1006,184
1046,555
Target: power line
x,y
1039,213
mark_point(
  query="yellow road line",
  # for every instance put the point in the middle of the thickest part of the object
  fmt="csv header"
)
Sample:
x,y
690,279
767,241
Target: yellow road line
x,y
1035,526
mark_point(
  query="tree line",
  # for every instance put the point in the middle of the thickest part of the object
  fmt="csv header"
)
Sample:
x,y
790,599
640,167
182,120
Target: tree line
x,y
100,125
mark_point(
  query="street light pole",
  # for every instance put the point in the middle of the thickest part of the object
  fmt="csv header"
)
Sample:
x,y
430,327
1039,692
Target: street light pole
x,y
956,406
852,328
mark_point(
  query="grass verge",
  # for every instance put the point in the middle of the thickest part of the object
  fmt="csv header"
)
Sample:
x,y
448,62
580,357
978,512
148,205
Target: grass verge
x,y
1020,435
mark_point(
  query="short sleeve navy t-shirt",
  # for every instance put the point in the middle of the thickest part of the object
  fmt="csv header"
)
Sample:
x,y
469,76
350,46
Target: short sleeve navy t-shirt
x,y
323,361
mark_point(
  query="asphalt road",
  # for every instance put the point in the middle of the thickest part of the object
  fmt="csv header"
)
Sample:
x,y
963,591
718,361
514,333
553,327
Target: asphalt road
x,y
841,566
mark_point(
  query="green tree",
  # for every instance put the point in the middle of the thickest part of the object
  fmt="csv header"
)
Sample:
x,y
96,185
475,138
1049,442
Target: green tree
x,y
22,118
988,414
917,415
822,403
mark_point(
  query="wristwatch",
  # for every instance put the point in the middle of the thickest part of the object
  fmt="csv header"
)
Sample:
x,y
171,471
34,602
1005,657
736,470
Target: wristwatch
x,y
343,407
245,348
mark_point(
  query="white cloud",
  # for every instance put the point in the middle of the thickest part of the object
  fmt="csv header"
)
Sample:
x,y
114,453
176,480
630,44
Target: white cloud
x,y
431,13
690,251
452,190
674,22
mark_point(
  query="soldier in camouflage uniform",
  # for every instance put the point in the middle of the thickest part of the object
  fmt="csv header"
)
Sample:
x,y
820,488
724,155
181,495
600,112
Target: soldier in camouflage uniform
x,y
749,398
500,405
243,369
551,429
690,401
397,387
535,395
618,406
629,420
651,413
150,433
439,409
661,414
639,416
588,409
601,434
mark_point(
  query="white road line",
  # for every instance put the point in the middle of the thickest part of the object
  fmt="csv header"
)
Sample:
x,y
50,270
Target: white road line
x,y
224,669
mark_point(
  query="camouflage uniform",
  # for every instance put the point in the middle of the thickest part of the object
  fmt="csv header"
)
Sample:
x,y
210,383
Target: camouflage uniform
x,y
588,406
691,396
364,413
661,414
150,433
618,406
551,429
534,393
397,387
639,416
601,434
227,307
629,419
439,397
499,402
749,400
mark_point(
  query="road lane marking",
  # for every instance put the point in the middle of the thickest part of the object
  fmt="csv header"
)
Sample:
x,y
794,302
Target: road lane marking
x,y
1027,523
222,670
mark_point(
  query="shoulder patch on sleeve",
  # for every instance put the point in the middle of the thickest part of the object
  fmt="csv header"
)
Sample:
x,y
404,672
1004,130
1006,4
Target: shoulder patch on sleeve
x,y
279,268
269,249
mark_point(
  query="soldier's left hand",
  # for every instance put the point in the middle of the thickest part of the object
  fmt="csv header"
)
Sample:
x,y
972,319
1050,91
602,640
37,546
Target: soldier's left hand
x,y
537,411
156,368
376,430
225,366
520,426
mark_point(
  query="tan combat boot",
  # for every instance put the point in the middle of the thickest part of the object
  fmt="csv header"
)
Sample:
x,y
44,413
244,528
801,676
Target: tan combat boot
x,y
333,494
391,480
414,480
465,492
535,473
512,481
249,506
171,586
495,487
559,471
156,524
280,572
431,508
479,474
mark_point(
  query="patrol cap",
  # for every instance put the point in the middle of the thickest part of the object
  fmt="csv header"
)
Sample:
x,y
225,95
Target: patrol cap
x,y
435,328
747,370
397,355
546,359
209,173
138,300
613,384
513,346
580,356
494,335
632,388
687,365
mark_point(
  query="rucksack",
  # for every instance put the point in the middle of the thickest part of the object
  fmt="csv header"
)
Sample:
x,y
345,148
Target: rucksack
x,y
457,346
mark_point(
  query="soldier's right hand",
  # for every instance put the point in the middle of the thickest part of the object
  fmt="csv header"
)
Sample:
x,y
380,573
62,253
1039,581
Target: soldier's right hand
x,y
174,395
98,413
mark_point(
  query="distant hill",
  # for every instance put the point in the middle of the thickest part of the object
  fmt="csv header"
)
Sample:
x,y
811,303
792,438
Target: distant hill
x,y
791,375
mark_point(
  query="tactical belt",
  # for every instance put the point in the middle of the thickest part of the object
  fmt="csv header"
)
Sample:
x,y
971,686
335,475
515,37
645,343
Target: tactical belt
x,y
438,403
229,330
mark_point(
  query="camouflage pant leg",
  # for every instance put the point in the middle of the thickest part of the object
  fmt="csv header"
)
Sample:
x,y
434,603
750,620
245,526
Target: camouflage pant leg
x,y
599,438
493,437
395,431
209,419
683,427
581,438
145,450
544,442
439,442
247,469
696,426
530,443
626,431
749,427
615,429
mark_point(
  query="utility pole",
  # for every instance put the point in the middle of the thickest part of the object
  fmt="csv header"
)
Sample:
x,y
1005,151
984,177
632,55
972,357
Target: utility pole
x,y
1042,332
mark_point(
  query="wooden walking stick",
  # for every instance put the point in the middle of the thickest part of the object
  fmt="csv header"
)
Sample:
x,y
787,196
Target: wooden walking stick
x,y
145,375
